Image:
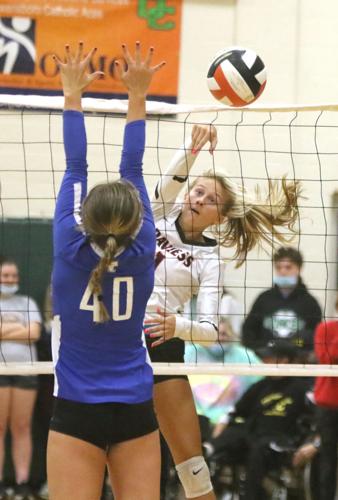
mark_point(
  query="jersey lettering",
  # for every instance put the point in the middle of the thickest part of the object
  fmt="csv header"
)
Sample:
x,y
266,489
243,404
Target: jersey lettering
x,y
158,258
163,243
117,315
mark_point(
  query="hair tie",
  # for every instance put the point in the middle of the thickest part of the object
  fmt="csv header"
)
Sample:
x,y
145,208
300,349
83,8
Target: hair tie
x,y
111,235
100,298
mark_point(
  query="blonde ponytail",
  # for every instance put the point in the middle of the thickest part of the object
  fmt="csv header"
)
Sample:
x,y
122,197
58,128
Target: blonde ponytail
x,y
251,220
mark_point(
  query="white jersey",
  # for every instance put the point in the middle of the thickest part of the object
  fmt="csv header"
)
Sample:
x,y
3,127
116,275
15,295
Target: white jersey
x,y
183,268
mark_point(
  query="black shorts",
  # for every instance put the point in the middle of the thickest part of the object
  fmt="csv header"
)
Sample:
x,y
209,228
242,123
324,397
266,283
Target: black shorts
x,y
19,381
171,351
103,424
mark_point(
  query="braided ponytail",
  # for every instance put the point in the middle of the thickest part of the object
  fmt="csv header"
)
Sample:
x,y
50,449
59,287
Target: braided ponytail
x,y
102,267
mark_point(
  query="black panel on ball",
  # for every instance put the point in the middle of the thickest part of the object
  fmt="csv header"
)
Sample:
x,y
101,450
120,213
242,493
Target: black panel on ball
x,y
216,63
248,74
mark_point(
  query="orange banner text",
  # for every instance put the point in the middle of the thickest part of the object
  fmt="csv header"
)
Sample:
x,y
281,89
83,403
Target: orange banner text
x,y
31,31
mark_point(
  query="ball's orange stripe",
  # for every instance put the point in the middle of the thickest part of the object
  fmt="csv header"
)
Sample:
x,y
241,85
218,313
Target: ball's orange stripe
x,y
226,89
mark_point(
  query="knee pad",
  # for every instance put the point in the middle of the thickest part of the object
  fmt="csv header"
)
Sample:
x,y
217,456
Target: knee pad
x,y
195,477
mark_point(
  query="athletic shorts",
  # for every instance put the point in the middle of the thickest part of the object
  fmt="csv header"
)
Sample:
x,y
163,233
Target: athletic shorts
x,y
103,424
171,351
19,381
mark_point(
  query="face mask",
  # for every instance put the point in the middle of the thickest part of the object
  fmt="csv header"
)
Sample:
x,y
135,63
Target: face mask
x,y
285,281
8,289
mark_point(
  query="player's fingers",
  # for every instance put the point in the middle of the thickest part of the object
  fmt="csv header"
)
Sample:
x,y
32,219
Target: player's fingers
x,y
154,335
194,134
158,66
151,321
126,54
201,139
58,62
118,70
157,342
95,76
87,59
213,144
138,52
79,52
197,135
149,57
153,329
68,56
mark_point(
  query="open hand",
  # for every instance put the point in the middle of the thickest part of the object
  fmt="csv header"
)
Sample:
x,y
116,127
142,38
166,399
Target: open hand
x,y
162,327
74,71
138,74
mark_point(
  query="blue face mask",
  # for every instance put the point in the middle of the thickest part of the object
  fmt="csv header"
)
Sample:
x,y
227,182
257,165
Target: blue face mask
x,y
285,281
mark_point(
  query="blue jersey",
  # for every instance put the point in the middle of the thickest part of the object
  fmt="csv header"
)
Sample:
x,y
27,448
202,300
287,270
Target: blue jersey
x,y
100,362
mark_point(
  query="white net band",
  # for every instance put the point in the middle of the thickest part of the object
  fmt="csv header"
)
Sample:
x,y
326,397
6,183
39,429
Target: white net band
x,y
267,370
94,105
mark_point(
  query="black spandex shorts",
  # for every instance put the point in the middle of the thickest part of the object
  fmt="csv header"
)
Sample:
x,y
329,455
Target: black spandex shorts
x,y
103,424
171,351
19,381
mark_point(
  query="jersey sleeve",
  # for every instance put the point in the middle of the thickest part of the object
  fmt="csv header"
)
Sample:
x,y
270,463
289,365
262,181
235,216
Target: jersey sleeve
x,y
205,329
73,188
172,181
132,158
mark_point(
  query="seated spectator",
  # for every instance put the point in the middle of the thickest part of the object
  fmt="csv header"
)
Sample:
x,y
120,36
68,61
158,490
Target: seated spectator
x,y
215,395
286,311
19,330
326,397
265,421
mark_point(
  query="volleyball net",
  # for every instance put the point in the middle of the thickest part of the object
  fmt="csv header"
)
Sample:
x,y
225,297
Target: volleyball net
x,y
255,145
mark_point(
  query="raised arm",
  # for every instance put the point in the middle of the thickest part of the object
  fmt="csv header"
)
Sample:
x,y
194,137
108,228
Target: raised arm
x,y
136,78
75,78
173,179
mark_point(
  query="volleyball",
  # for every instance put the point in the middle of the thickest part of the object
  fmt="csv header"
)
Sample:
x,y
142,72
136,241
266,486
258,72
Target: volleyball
x,y
236,76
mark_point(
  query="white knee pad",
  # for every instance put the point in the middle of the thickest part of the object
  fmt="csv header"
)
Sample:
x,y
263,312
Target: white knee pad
x,y
195,477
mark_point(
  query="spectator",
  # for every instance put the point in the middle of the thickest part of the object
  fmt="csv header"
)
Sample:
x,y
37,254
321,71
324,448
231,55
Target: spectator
x,y
19,330
286,311
326,396
265,421
215,395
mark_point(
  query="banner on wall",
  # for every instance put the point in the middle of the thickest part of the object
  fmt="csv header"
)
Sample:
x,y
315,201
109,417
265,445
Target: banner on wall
x,y
31,31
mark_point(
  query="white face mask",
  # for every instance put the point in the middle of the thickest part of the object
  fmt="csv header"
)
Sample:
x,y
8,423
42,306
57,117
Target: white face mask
x,y
8,289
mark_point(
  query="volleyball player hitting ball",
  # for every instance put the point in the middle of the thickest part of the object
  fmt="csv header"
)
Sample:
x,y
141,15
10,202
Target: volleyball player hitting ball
x,y
189,263
104,244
